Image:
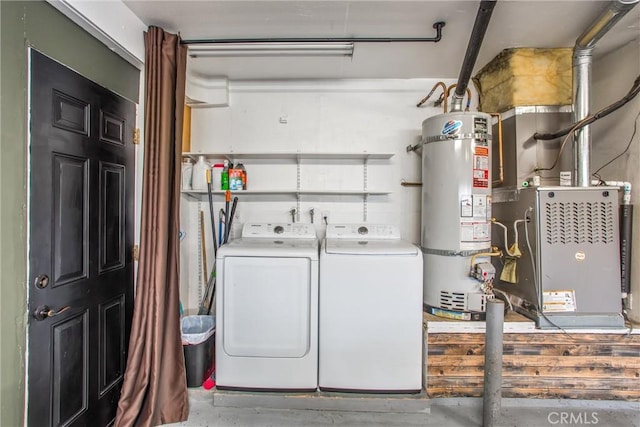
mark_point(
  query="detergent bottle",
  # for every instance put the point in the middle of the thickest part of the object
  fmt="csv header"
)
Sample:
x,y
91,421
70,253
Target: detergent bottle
x,y
199,175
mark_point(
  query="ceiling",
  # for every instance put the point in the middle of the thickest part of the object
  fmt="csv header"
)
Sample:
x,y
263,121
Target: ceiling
x,y
514,23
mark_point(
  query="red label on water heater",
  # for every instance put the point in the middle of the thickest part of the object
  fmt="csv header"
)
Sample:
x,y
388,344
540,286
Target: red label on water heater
x,y
481,167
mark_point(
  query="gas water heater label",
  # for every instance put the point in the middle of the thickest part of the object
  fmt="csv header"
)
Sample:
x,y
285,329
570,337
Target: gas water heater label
x,y
466,206
474,232
479,206
480,125
481,167
475,210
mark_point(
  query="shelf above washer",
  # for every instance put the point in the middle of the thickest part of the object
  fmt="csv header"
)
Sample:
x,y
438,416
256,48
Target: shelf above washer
x,y
292,156
198,194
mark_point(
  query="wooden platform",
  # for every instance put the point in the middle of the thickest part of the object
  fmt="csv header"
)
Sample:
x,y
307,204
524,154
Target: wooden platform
x,y
324,401
576,364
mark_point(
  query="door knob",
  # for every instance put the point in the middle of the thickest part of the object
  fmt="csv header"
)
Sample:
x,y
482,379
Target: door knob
x,y
44,311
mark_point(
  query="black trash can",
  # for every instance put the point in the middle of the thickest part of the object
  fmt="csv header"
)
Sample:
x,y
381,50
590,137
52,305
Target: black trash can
x,y
198,343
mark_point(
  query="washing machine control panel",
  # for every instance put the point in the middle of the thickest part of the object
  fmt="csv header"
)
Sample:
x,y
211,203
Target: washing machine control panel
x,y
360,231
281,231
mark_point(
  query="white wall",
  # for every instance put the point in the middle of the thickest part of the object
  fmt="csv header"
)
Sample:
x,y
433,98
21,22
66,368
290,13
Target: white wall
x,y
372,116
111,22
613,75
338,116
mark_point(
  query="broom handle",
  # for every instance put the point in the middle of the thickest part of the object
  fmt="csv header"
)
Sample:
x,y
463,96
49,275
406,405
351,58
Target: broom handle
x,y
204,250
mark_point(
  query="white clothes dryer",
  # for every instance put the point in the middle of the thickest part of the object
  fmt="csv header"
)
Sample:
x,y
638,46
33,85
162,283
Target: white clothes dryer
x,y
370,335
267,309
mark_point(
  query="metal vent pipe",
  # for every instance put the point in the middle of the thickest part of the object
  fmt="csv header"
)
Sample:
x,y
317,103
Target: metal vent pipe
x,y
477,34
582,60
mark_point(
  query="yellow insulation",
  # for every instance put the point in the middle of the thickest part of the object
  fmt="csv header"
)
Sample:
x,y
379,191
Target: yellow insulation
x,y
525,76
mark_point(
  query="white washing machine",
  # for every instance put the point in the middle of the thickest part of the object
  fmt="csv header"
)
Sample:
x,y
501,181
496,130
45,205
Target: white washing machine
x,y
370,310
267,309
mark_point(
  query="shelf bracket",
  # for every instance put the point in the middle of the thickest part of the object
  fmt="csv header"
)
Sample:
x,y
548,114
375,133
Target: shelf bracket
x,y
298,186
365,184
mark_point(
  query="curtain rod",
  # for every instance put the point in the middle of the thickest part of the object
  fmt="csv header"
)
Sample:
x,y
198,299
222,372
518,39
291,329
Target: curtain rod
x,y
437,26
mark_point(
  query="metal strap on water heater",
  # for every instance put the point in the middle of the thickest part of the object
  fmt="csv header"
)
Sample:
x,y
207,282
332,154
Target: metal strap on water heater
x,y
438,138
444,252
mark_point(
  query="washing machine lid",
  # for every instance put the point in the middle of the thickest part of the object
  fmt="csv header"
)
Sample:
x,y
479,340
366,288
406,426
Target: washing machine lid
x,y
270,247
370,247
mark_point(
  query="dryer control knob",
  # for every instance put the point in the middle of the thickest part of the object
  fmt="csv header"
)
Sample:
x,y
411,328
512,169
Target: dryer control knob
x,y
363,230
278,229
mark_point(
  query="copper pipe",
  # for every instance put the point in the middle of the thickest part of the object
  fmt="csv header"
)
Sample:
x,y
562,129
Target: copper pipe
x,y
468,100
500,151
444,90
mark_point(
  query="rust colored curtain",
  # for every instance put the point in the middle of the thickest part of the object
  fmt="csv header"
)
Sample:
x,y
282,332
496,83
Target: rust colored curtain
x,y
155,388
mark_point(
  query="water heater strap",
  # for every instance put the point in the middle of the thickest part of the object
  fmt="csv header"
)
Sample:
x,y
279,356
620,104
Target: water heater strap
x,y
456,137
444,252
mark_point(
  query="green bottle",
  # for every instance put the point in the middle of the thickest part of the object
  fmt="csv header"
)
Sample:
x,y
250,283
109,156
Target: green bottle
x,y
225,176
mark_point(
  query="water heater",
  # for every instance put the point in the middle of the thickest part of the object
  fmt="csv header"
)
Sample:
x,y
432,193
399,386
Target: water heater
x,y
456,212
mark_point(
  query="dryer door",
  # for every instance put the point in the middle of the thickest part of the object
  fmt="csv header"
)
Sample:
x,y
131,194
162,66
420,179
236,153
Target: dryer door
x,y
266,306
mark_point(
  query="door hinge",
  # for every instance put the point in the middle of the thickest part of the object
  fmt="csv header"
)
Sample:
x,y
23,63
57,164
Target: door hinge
x,y
135,252
136,136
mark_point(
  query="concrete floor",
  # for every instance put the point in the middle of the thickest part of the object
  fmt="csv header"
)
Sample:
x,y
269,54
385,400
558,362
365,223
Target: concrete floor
x,y
441,412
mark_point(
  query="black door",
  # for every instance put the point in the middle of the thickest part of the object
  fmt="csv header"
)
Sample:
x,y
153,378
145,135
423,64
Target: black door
x,y
80,245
